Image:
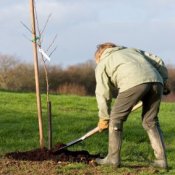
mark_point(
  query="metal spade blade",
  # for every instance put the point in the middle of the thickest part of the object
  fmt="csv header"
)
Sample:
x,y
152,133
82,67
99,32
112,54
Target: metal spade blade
x,y
88,134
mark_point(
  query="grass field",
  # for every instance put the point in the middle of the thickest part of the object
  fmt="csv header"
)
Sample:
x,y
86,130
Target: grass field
x,y
72,117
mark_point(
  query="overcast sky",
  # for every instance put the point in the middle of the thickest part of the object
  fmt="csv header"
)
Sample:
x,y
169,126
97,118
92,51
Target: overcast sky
x,y
82,24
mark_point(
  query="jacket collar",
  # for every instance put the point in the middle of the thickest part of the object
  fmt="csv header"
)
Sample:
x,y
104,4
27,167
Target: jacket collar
x,y
108,51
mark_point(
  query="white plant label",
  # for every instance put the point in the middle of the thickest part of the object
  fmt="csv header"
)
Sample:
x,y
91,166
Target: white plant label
x,y
44,54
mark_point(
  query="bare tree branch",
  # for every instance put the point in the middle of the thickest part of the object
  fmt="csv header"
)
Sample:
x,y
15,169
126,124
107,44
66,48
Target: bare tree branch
x,y
46,23
26,27
37,21
53,41
53,51
38,26
27,38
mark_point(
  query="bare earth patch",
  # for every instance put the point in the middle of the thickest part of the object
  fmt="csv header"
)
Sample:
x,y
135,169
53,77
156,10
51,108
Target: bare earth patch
x,y
44,162
45,154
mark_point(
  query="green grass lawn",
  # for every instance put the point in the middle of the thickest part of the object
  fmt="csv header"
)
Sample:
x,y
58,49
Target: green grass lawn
x,y
72,117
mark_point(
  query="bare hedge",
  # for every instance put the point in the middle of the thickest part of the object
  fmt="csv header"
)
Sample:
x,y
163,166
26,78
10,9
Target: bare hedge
x,y
16,76
77,79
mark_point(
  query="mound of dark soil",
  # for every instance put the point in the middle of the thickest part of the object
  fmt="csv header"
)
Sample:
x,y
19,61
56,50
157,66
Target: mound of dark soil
x,y
45,154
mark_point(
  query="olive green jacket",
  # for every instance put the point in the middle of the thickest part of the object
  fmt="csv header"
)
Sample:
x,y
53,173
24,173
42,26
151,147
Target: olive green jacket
x,y
124,68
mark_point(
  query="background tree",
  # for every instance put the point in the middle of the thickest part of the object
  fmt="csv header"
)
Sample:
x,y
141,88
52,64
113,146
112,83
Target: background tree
x,y
76,79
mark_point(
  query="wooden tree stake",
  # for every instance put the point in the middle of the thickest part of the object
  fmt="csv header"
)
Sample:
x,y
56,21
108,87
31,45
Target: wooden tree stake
x,y
35,53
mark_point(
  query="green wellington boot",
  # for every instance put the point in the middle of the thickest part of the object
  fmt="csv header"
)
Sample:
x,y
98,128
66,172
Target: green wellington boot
x,y
157,143
114,147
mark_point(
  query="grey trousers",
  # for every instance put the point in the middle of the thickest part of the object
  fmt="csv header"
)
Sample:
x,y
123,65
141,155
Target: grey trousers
x,y
149,93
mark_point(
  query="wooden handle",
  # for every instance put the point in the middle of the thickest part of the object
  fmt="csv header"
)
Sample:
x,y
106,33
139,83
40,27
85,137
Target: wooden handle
x,y
93,131
138,105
